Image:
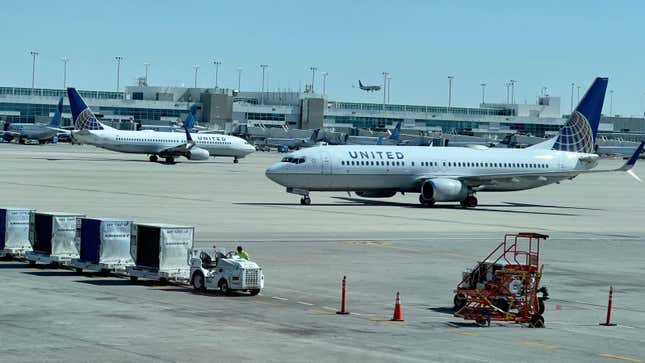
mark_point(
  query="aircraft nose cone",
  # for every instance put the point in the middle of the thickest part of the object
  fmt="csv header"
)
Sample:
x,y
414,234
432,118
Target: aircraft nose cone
x,y
272,172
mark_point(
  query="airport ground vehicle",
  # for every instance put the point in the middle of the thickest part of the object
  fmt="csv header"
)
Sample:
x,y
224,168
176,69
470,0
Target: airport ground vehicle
x,y
14,232
52,237
505,285
160,251
214,268
103,244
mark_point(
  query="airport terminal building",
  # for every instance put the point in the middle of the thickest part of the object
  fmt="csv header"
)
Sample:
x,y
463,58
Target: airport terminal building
x,y
229,110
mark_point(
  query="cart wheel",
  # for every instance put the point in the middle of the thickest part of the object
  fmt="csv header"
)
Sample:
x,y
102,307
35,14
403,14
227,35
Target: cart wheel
x,y
483,322
134,278
459,301
78,270
254,292
198,281
537,321
223,287
541,306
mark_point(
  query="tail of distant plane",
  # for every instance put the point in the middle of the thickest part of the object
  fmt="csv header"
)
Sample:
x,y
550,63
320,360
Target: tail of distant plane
x,y
379,140
190,120
314,135
55,122
83,117
360,84
396,133
579,133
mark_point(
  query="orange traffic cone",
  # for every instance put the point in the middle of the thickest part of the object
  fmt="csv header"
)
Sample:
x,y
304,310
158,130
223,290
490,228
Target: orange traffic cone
x,y
398,315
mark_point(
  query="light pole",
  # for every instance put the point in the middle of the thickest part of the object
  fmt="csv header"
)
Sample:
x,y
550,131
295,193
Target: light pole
x,y
508,89
118,71
483,84
450,78
611,103
34,54
196,68
324,82
313,77
578,94
217,63
239,78
389,81
64,60
264,67
572,85
146,65
513,90
385,74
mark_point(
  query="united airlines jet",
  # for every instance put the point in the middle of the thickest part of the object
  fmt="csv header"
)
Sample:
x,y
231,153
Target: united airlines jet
x,y
36,131
168,145
455,174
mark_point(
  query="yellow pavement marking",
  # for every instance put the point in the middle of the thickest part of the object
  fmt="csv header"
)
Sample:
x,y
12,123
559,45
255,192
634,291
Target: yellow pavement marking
x,y
621,357
529,343
464,333
321,311
277,305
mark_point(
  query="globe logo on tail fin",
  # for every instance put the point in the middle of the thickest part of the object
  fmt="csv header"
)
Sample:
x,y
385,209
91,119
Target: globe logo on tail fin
x,y
87,121
576,135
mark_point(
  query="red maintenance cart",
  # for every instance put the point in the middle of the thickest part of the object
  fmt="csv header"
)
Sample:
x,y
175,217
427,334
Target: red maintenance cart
x,y
505,285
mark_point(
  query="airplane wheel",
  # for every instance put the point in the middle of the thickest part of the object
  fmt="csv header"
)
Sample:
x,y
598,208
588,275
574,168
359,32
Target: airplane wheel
x,y
235,161
469,202
170,160
424,202
305,201
153,158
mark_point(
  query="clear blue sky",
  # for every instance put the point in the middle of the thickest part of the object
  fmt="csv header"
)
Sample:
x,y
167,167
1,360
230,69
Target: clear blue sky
x,y
539,43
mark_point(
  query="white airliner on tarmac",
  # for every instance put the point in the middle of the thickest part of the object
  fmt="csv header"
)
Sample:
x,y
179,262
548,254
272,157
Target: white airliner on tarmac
x,y
167,145
455,174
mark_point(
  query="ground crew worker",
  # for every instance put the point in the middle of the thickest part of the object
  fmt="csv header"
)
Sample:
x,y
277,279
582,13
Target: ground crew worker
x,y
242,253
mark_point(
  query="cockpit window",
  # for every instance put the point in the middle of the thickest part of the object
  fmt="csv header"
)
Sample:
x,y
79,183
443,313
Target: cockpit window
x,y
293,160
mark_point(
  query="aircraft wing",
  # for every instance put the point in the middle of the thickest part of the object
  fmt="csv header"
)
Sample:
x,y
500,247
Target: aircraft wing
x,y
62,131
180,149
492,179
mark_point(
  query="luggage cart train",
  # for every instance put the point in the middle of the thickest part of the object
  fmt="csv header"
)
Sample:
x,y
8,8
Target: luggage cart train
x,y
151,251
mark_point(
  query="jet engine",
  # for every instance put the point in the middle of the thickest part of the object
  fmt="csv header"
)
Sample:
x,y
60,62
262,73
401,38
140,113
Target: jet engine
x,y
443,190
197,153
7,136
377,194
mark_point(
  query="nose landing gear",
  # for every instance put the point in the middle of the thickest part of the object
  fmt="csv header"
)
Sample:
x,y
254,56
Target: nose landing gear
x,y
153,158
305,200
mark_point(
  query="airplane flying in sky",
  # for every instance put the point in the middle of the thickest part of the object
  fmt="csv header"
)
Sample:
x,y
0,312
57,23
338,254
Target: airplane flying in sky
x,y
35,131
393,139
447,174
368,88
167,145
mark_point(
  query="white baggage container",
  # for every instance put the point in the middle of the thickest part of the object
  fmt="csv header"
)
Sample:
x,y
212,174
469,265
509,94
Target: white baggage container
x,y
160,252
14,232
103,244
52,236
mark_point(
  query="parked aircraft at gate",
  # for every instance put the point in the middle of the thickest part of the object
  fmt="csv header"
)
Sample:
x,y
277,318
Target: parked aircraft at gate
x,y
441,174
168,145
36,131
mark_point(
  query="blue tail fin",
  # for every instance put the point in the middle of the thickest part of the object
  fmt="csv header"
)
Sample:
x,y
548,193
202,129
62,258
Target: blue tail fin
x,y
314,135
83,117
55,122
379,141
359,83
190,120
396,133
579,133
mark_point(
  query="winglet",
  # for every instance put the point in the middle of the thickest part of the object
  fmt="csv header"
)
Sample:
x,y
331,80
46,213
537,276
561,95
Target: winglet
x,y
314,135
632,160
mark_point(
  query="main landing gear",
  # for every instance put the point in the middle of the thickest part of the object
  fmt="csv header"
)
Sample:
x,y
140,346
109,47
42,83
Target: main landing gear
x,y
469,202
425,202
305,200
235,160
170,160
153,158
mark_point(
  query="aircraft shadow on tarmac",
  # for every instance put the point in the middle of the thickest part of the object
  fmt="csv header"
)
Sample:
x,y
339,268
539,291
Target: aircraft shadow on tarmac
x,y
501,208
131,161
115,281
13,265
